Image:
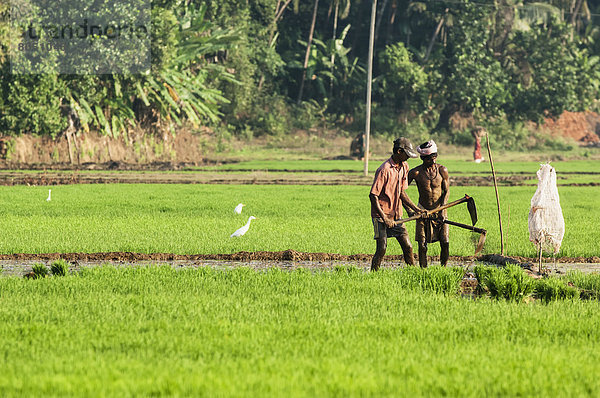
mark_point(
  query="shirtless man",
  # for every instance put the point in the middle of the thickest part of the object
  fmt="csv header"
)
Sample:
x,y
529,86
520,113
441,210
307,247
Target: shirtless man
x,y
387,197
433,184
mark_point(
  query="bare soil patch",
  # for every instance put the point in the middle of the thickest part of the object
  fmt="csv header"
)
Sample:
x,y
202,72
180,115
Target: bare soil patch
x,y
258,177
186,176
582,127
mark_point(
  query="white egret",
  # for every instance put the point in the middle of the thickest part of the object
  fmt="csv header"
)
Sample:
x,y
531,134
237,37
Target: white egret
x,y
238,208
49,195
244,229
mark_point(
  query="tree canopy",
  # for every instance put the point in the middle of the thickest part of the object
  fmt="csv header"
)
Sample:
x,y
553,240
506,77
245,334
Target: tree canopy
x,y
245,65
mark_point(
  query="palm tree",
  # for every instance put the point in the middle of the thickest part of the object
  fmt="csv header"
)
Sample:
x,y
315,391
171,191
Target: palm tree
x,y
336,16
307,55
279,9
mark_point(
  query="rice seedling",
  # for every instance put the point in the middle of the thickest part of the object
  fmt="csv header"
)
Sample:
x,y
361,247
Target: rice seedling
x,y
444,280
145,331
350,269
551,289
589,284
510,282
40,270
59,267
191,219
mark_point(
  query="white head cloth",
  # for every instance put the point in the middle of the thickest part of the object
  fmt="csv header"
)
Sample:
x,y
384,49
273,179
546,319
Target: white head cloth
x,y
427,148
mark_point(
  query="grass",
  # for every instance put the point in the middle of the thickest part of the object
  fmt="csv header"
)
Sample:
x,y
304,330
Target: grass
x,y
511,283
161,331
188,219
458,166
549,289
319,146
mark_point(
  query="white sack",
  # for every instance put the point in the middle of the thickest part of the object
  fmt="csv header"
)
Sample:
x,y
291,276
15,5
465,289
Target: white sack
x,y
546,222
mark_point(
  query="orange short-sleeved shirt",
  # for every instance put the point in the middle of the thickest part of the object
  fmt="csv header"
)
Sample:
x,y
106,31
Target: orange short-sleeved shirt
x,y
390,180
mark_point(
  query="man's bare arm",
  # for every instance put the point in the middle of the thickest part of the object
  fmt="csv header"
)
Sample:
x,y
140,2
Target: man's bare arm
x,y
406,202
445,184
411,175
375,202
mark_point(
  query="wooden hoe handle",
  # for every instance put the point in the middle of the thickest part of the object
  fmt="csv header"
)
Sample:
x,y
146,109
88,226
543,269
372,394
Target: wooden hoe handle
x,y
436,210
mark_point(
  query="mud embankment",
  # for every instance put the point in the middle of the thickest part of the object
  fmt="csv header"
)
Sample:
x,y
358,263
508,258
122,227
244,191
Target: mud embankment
x,y
184,173
286,255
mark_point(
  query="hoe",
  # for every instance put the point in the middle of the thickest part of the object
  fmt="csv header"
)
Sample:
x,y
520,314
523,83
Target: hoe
x,y
472,212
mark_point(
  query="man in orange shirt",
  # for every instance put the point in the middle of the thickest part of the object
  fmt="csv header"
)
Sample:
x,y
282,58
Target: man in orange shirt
x,y
388,196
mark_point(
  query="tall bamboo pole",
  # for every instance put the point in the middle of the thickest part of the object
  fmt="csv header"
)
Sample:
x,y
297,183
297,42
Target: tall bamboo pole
x,y
369,79
487,136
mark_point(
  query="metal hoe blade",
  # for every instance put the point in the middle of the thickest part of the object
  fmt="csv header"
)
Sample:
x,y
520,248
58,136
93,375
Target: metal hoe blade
x,y
480,243
472,210
482,233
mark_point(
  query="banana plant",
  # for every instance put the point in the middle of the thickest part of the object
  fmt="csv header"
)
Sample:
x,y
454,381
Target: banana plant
x,y
178,90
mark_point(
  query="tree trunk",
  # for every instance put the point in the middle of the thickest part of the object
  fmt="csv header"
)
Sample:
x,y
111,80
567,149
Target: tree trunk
x,y
445,116
278,14
335,22
307,56
72,138
379,18
574,17
437,30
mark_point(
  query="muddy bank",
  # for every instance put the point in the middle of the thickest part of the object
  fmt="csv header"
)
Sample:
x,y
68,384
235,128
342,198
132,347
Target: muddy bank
x,y
287,255
204,177
181,174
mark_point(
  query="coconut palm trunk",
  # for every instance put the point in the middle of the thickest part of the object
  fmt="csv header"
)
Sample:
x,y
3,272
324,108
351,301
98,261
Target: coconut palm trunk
x,y
307,55
335,23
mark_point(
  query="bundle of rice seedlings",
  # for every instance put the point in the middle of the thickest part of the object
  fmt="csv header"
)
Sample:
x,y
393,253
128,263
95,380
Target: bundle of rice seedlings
x,y
59,267
510,283
551,289
40,271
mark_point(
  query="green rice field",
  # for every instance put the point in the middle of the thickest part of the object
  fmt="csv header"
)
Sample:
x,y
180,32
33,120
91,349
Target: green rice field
x,y
160,331
198,219
225,331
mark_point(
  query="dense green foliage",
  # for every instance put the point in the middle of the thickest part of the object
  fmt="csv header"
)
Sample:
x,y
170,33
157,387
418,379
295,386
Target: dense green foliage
x,y
175,88
189,219
239,66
